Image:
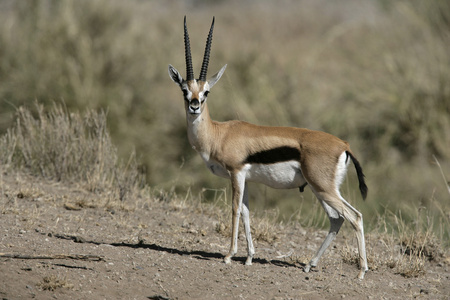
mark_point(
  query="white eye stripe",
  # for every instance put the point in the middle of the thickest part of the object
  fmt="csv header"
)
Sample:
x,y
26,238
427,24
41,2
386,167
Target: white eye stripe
x,y
186,93
189,95
204,94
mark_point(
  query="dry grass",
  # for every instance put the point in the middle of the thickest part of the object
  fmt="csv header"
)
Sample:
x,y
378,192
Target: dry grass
x,y
263,229
405,249
70,147
52,283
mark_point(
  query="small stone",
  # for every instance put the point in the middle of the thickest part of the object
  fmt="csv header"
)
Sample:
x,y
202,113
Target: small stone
x,y
424,291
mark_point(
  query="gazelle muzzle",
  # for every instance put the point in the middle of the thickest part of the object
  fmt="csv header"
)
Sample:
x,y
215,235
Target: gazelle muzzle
x,y
194,106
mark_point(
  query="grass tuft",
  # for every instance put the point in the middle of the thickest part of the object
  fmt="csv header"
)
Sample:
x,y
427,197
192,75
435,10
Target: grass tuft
x,y
70,147
52,283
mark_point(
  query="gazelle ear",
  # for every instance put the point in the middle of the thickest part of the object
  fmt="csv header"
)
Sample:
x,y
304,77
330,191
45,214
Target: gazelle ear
x,y
212,81
175,75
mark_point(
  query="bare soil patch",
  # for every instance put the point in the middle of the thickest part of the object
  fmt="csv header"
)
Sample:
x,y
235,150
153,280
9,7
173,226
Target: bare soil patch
x,y
62,242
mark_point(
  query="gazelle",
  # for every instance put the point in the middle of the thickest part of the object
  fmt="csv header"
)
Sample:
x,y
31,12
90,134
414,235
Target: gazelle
x,y
280,157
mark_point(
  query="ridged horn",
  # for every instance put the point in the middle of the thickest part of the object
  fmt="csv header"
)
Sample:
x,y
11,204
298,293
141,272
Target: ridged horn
x,y
205,63
187,52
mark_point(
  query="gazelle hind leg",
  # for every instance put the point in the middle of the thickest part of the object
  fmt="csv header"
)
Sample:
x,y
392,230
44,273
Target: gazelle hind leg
x,y
351,214
338,209
356,219
335,224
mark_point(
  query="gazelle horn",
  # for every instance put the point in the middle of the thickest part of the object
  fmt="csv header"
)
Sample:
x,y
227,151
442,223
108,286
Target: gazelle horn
x,y
205,63
187,52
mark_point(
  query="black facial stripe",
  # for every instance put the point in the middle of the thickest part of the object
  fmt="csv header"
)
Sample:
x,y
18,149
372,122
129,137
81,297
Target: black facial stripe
x,y
274,155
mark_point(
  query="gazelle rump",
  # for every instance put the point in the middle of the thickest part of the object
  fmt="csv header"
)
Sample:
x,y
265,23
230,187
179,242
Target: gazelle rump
x,y
280,157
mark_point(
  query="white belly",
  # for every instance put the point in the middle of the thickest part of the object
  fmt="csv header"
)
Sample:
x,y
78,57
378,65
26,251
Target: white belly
x,y
284,175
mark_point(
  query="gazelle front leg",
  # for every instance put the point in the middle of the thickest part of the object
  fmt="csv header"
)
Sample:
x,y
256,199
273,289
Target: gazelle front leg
x,y
245,211
238,188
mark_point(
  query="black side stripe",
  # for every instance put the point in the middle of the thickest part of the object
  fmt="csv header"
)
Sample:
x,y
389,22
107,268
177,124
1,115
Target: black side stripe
x,y
274,155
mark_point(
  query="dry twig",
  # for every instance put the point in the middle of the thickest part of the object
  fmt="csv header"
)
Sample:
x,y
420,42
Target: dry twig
x,y
55,256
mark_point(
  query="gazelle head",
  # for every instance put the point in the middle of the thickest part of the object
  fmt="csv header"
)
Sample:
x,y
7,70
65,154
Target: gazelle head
x,y
195,91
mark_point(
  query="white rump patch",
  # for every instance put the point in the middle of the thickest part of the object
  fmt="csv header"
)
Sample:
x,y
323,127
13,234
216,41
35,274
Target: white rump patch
x,y
341,169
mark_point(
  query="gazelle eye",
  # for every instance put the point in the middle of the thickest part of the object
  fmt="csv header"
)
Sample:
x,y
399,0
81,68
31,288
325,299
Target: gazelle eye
x,y
185,92
206,93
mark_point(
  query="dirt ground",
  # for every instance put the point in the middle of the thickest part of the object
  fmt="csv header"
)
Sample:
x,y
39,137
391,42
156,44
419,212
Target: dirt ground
x,y
58,242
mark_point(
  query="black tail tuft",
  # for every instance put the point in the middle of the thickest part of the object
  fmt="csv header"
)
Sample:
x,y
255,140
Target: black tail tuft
x,y
362,184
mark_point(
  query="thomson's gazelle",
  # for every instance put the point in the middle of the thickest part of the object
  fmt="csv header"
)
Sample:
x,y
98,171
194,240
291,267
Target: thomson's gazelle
x,y
280,157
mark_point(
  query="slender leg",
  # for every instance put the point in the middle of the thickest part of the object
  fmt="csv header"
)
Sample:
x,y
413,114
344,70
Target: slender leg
x,y
246,219
356,219
338,209
335,224
237,185
352,215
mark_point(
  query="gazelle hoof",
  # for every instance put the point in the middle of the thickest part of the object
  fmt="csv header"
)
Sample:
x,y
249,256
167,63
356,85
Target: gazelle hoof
x,y
307,268
361,274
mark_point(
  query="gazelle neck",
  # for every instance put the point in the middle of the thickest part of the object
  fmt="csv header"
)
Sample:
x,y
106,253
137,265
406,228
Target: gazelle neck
x,y
198,129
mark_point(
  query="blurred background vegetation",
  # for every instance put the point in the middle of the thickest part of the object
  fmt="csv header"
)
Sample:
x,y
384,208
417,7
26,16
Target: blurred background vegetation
x,y
374,73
